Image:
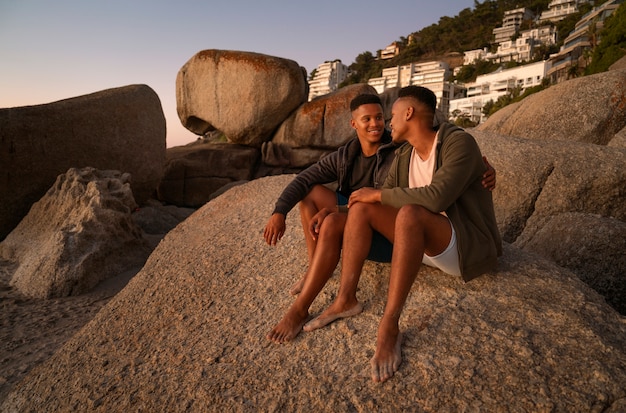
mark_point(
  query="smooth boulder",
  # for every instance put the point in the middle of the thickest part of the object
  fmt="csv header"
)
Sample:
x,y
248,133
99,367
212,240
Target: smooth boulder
x,y
245,95
589,109
116,129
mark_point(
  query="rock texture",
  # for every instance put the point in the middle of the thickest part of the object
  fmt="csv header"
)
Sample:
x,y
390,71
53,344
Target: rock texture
x,y
117,129
188,333
589,245
323,123
80,233
243,94
195,171
589,109
580,186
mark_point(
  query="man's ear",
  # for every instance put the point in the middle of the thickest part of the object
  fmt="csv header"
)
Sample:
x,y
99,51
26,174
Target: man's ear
x,y
410,111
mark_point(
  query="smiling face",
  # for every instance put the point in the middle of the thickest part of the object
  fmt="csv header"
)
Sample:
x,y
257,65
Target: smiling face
x,y
369,123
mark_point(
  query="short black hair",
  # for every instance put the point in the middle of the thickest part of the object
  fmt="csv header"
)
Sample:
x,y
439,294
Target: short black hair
x,y
421,94
364,99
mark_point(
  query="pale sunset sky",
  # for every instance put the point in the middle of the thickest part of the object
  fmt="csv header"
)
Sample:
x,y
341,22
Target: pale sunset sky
x,y
53,50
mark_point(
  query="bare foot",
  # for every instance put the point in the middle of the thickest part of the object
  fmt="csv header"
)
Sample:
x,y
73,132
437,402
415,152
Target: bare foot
x,y
288,328
297,286
331,315
388,356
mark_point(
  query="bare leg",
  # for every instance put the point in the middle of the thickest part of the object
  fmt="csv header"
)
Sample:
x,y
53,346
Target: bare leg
x,y
417,231
362,219
319,197
325,260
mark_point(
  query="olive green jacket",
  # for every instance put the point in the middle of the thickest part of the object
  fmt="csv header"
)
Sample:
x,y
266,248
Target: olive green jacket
x,y
456,188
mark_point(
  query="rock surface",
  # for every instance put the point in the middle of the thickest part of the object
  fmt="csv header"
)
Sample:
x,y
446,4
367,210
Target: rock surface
x,y
589,245
80,233
588,109
243,94
188,333
543,182
116,129
195,171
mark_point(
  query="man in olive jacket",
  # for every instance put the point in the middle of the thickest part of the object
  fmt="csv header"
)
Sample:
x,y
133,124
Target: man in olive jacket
x,y
432,205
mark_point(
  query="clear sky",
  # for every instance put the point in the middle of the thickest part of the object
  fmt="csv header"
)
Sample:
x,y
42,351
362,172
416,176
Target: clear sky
x,y
53,50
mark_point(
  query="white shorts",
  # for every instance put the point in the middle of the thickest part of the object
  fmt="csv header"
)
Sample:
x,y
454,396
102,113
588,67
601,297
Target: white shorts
x,y
448,260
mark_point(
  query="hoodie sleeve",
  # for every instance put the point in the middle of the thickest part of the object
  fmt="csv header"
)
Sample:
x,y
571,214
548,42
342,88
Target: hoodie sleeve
x,y
325,171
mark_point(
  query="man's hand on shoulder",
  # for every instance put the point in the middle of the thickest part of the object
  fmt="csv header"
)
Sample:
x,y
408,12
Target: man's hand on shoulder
x,y
489,177
275,229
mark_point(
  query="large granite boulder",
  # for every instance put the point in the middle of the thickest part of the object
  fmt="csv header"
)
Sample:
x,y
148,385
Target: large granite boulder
x,y
78,234
591,246
195,171
188,333
243,94
321,124
545,187
116,129
588,109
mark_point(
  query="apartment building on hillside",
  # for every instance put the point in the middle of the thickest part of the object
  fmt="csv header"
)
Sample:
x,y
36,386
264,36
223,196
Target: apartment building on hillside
x,y
493,85
327,78
432,75
574,54
511,24
560,9
390,51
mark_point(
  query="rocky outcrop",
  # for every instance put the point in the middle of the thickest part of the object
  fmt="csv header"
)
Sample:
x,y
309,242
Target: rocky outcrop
x,y
243,94
577,190
590,245
189,330
589,109
194,172
117,129
323,123
80,233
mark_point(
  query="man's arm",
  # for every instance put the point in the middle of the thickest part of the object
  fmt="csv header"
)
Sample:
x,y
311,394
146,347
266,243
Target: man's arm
x,y
461,166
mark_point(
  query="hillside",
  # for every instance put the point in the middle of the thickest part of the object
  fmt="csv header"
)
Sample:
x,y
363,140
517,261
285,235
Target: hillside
x,y
447,39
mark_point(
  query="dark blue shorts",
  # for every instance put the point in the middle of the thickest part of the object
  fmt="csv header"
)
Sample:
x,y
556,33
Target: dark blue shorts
x,y
381,249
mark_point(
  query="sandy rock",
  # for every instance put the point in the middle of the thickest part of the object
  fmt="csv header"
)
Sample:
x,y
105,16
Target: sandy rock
x,y
619,141
589,109
323,122
540,179
188,333
243,94
193,172
116,129
80,233
589,245
537,182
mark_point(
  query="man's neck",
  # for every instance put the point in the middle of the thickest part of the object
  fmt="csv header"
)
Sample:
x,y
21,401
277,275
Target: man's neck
x,y
369,149
423,142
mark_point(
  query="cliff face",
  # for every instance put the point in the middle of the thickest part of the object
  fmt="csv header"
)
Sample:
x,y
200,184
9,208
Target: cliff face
x,y
188,333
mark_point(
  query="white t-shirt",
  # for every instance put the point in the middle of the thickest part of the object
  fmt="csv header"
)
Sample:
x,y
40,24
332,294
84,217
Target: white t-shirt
x,y
421,170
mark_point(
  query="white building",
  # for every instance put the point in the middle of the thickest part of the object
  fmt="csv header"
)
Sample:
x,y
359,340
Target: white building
x,y
432,75
511,24
572,56
327,78
493,85
560,9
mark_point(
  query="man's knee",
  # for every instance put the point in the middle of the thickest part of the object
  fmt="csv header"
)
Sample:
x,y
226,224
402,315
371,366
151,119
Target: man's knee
x,y
333,225
412,214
